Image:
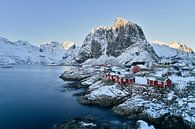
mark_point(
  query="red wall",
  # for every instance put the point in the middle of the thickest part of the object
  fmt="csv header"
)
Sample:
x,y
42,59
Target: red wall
x,y
169,83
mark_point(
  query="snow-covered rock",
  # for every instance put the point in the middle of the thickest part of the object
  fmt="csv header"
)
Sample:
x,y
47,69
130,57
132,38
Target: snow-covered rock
x,y
170,107
76,74
144,109
102,95
143,125
91,80
124,42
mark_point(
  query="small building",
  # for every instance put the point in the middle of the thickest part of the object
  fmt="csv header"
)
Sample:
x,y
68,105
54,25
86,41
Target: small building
x,y
160,82
128,65
136,69
106,76
125,80
138,63
113,76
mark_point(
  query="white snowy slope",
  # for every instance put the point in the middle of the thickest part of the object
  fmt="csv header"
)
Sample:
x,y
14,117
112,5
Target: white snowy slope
x,y
176,45
60,53
173,50
22,52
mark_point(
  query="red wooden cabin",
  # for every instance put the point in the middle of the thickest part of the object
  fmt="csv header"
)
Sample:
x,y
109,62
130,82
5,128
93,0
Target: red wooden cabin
x,y
126,80
160,82
106,76
121,79
109,76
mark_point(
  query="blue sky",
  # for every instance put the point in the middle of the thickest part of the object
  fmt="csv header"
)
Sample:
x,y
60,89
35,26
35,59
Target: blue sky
x,y
40,21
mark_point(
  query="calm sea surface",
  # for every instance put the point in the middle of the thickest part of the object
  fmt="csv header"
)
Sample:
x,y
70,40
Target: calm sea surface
x,y
34,97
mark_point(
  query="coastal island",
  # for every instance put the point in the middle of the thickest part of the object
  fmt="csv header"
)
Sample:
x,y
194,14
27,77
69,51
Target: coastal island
x,y
134,79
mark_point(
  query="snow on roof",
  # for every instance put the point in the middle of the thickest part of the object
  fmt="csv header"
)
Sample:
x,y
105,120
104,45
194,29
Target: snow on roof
x,y
113,73
126,76
142,66
162,79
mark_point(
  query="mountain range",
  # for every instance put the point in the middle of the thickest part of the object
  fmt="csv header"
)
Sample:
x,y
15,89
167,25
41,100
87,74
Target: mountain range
x,y
22,52
122,43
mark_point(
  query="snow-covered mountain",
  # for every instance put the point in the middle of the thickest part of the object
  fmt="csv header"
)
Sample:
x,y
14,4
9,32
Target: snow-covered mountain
x,y
173,50
176,45
68,44
122,43
22,52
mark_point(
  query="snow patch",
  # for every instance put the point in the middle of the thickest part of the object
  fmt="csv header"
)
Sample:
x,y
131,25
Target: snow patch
x,y
143,125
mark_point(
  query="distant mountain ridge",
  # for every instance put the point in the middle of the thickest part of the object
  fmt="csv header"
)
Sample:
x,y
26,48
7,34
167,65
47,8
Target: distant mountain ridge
x,y
174,51
120,44
175,45
22,52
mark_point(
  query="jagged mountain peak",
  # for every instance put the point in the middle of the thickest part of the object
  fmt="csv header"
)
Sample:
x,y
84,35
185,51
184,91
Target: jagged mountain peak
x,y
63,46
121,22
114,41
68,45
118,24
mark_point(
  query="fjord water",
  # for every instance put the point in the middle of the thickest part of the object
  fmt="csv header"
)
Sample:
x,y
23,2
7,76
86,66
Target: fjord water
x,y
34,97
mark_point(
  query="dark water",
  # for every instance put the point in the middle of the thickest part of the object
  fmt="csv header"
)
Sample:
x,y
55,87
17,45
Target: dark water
x,y
33,97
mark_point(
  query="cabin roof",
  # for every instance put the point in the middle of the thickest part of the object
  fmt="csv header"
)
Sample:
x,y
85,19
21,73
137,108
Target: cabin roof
x,y
155,78
138,63
126,76
113,73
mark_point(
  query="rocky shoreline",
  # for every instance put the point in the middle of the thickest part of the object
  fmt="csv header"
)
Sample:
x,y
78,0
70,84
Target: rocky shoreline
x,y
165,109
92,122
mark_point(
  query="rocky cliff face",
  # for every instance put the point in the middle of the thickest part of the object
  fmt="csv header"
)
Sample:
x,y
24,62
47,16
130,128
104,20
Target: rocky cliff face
x,y
113,41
